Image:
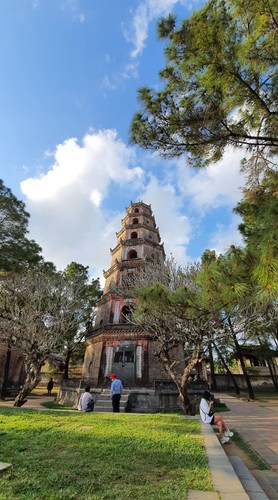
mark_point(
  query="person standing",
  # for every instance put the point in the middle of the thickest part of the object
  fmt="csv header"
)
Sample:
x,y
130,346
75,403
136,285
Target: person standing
x,y
208,417
50,386
116,391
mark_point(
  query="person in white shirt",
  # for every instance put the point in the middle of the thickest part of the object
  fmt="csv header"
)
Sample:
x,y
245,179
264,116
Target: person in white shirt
x,y
86,401
208,417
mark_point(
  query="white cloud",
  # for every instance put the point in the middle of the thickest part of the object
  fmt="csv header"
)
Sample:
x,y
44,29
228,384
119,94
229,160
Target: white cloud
x,y
74,7
69,203
217,185
65,203
225,236
128,71
101,159
146,12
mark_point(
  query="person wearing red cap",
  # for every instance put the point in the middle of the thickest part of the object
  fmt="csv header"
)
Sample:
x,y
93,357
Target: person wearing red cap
x,y
116,390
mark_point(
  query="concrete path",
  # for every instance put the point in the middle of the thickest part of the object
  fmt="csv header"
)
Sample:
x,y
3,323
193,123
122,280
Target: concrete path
x,y
257,422
34,403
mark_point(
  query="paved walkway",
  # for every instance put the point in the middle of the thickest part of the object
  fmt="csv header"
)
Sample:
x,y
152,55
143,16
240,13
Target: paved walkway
x,y
34,403
257,422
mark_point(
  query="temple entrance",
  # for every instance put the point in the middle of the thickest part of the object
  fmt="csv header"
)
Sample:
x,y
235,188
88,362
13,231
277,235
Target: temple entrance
x,y
124,364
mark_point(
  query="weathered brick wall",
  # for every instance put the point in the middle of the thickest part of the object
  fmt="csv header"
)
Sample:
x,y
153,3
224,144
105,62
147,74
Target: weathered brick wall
x,y
156,368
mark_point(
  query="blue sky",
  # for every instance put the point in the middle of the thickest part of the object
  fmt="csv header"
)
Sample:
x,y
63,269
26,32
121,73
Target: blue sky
x,y
70,72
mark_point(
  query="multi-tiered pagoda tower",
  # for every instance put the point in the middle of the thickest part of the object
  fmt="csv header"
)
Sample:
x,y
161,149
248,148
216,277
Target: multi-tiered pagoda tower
x,y
116,345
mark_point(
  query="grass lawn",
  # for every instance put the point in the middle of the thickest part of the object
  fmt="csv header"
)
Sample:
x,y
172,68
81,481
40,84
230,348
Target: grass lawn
x,y
53,405
61,455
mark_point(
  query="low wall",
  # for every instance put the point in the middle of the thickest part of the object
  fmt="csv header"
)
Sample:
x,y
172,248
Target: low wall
x,y
152,401
139,400
259,382
69,392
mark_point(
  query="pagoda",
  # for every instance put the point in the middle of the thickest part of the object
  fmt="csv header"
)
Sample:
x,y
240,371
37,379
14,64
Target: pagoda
x,y
115,344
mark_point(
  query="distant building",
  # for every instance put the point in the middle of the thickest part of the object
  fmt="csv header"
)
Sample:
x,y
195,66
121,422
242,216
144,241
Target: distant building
x,y
258,359
115,344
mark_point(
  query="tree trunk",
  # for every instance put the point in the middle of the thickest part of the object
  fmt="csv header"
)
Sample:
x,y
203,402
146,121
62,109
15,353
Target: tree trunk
x,y
181,383
227,369
211,364
271,368
67,362
6,371
243,367
270,364
33,377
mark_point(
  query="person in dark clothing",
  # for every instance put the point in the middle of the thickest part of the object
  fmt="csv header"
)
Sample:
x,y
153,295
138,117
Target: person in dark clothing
x,y
50,386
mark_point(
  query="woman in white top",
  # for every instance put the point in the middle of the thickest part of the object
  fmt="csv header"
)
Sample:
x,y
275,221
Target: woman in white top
x,y
208,417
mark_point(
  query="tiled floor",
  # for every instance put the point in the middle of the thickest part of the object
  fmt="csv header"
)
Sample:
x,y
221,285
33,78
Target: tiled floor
x,y
257,422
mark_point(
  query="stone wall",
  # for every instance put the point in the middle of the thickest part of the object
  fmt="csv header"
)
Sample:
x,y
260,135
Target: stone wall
x,y
259,383
139,400
156,368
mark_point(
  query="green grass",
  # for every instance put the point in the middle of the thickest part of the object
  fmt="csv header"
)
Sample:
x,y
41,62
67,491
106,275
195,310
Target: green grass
x,y
52,405
241,443
61,455
220,408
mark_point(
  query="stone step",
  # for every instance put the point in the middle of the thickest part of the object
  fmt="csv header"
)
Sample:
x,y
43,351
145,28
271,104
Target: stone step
x,y
248,481
106,410
106,404
101,399
103,403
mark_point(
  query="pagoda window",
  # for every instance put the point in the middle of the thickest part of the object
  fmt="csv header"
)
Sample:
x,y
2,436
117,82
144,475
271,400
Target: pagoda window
x,y
132,254
126,313
134,235
124,356
135,221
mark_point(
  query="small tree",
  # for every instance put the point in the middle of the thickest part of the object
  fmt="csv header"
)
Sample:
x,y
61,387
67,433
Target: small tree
x,y
16,250
168,307
259,227
77,282
36,316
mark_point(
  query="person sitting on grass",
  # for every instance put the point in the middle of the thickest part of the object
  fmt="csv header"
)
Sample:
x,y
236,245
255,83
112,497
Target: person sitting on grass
x,y
208,417
86,401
